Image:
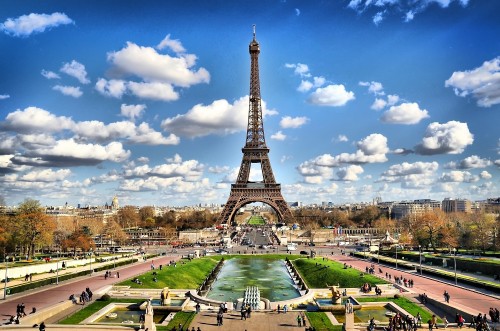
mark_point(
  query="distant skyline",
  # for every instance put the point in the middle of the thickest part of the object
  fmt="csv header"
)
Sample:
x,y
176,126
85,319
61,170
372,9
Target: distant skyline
x,y
148,101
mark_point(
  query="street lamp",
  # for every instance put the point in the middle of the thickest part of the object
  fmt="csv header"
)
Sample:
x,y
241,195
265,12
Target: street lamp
x,y
396,256
90,256
378,253
6,275
57,269
420,258
455,264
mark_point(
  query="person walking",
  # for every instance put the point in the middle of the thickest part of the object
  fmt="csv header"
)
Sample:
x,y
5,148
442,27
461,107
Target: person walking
x,y
445,321
42,326
279,308
299,320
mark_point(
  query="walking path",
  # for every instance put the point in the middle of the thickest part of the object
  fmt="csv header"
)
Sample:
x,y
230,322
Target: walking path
x,y
462,297
50,295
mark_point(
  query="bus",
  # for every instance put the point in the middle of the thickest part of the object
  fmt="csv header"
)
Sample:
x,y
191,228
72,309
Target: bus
x,y
119,249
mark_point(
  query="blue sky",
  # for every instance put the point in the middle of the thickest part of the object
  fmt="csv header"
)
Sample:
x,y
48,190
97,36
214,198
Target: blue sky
x,y
148,100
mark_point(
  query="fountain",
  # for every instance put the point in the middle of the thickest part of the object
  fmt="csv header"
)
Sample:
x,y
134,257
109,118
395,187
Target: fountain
x,y
336,295
165,297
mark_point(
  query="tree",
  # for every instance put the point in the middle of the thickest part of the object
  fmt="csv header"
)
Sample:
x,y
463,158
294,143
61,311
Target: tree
x,y
128,217
433,228
114,232
79,239
32,226
146,213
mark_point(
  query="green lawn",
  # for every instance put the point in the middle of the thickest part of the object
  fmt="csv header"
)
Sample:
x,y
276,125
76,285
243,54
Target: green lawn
x,y
319,274
187,275
408,305
93,308
256,220
321,322
184,318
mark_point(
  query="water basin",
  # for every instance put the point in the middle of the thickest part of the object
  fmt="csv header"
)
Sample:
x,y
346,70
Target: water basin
x,y
269,275
366,313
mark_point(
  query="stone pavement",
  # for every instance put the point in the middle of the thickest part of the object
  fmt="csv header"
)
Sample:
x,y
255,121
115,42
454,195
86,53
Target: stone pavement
x,y
259,321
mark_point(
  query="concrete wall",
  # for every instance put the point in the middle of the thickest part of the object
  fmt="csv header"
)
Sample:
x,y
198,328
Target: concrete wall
x,y
19,272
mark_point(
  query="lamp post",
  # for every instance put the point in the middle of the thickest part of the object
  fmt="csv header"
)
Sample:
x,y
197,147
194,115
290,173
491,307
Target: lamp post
x,y
57,269
90,256
396,256
6,275
378,253
455,263
420,258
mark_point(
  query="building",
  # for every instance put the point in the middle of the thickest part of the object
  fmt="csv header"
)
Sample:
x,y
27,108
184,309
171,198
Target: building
x,y
414,208
456,205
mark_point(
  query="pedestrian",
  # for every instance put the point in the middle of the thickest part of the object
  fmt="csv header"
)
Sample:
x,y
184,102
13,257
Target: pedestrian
x,y
243,313
445,322
279,308
285,309
303,319
117,274
299,320
42,326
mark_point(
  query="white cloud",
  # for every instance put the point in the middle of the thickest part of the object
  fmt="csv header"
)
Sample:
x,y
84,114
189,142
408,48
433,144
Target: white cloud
x,y
375,88
471,162
349,173
147,136
483,83
50,74
297,11
68,152
300,69
151,66
25,25
46,175
111,88
342,138
288,122
218,169
37,119
458,177
405,113
72,91
378,17
305,86
77,70
174,44
132,111
4,96
418,175
331,95
378,104
220,118
447,138
485,175
278,136
153,91
396,7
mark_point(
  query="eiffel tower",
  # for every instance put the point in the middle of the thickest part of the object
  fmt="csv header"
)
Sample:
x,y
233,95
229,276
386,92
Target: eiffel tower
x,y
244,191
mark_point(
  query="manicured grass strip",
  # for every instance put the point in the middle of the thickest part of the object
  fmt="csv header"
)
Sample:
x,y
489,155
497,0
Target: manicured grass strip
x,y
187,275
319,273
93,308
264,256
256,220
320,322
184,318
411,307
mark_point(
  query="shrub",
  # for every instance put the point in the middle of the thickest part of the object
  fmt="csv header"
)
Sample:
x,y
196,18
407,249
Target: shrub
x,y
396,296
105,297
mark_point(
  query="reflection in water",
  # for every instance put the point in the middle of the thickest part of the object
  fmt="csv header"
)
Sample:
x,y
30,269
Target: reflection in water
x,y
270,276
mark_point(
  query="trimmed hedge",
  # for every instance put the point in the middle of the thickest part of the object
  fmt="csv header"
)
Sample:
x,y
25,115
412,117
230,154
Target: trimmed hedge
x,y
63,277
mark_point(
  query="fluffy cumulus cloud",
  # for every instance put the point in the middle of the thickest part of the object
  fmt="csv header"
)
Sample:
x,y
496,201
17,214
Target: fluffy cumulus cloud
x,y
36,119
158,74
482,83
45,175
132,111
447,138
407,9
75,69
457,176
349,173
288,122
25,25
278,136
405,113
220,118
300,69
471,162
71,91
372,149
331,95
148,64
416,175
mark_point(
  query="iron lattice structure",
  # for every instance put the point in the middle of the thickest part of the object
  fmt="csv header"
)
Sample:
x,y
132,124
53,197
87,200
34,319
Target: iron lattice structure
x,y
244,191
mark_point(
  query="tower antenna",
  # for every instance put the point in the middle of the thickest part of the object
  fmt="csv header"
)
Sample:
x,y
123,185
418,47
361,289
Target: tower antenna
x,y
254,32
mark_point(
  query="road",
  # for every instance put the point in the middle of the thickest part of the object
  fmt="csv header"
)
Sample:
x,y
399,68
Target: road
x,y
49,295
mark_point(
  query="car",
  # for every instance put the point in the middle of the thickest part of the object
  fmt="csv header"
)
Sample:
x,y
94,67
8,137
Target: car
x,y
304,253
